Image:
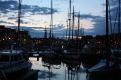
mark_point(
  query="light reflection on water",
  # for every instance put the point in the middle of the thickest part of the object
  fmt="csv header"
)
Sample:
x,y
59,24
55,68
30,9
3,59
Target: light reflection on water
x,y
56,72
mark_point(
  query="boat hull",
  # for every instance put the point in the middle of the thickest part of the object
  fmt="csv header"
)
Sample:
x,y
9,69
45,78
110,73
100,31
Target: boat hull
x,y
109,74
89,60
15,73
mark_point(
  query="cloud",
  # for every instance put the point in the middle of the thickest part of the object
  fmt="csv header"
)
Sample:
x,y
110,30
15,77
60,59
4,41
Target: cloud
x,y
5,22
100,22
9,12
98,26
113,2
88,16
7,6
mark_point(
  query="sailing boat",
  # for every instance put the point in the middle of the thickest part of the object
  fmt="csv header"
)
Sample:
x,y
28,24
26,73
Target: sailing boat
x,y
49,52
106,68
12,62
71,49
116,49
74,44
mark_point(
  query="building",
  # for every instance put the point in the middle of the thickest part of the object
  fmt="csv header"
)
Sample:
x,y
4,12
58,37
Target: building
x,y
9,36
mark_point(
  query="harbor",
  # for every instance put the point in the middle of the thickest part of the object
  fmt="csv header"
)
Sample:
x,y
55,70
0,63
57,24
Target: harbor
x,y
62,44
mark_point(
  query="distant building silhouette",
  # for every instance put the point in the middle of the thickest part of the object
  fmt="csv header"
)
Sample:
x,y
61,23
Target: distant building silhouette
x,y
8,36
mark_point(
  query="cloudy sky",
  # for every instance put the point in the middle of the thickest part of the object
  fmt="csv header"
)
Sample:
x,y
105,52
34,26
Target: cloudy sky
x,y
36,15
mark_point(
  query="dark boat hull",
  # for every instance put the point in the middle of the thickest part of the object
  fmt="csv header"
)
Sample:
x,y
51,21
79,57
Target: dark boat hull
x,y
14,73
109,74
89,60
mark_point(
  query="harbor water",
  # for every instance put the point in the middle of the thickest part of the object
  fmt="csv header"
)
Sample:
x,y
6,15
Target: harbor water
x,y
68,70
57,71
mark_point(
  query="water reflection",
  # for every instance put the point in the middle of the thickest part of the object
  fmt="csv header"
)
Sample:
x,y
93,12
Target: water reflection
x,y
56,69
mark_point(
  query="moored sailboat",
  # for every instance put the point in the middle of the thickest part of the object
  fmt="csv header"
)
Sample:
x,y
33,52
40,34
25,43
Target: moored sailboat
x,y
107,68
12,62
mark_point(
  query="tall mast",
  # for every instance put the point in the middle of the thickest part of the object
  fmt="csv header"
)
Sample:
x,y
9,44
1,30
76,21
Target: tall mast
x,y
107,34
19,21
19,14
69,18
73,24
119,17
51,20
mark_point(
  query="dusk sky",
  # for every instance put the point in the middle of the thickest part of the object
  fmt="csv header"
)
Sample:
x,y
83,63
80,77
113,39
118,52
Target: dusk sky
x,y
36,13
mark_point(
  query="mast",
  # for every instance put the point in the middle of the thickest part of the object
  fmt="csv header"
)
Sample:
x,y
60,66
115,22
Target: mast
x,y
69,19
19,15
73,24
107,34
19,21
51,20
